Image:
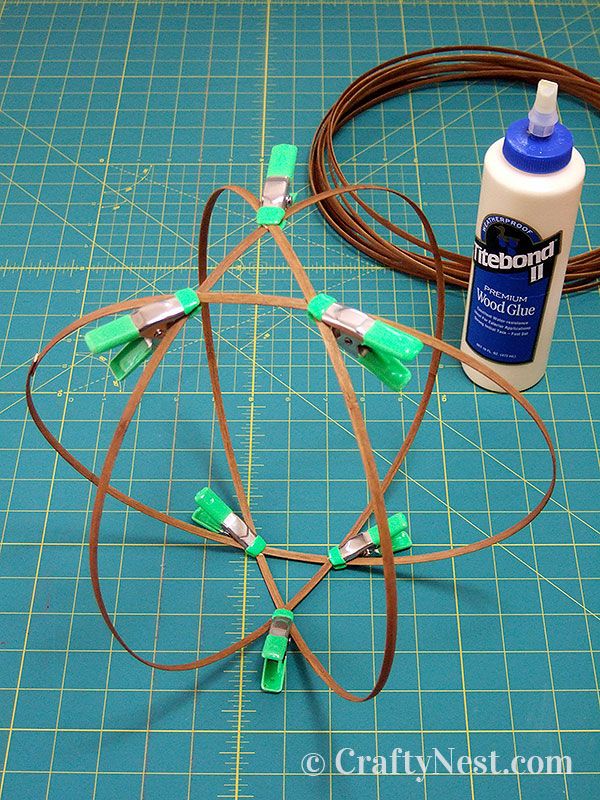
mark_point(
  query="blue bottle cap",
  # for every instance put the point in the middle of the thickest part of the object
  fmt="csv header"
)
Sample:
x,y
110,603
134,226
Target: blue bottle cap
x,y
536,154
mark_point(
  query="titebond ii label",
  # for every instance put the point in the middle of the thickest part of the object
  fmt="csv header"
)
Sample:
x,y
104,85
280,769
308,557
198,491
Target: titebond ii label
x,y
512,269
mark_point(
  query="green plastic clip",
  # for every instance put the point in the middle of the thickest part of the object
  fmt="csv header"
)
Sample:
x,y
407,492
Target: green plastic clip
x,y
276,195
378,347
274,650
216,516
368,541
140,330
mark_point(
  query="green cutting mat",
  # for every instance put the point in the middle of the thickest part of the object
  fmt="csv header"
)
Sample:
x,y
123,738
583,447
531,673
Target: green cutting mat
x,y
116,122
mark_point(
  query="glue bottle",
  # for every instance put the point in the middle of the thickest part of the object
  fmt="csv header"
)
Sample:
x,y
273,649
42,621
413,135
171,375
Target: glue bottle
x,y
530,191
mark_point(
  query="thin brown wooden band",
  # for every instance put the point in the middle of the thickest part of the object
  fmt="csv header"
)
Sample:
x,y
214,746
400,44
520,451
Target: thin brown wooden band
x,y
205,283
105,488
408,73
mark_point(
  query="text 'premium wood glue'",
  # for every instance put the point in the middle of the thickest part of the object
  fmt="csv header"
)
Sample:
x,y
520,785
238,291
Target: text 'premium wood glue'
x,y
528,205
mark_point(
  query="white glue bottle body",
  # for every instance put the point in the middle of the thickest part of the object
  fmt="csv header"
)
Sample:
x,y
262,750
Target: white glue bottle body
x,y
528,205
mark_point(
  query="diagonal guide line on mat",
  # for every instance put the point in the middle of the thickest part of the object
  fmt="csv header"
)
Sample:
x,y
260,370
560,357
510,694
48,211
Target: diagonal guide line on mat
x,y
64,220
122,195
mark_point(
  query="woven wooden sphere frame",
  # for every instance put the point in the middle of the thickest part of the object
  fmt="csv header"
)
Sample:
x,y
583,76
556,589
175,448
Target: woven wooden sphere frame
x,y
376,487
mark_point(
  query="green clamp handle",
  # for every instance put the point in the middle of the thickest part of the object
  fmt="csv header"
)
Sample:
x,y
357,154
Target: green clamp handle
x,y
129,331
211,513
398,533
112,334
385,349
282,161
274,651
280,174
388,349
130,358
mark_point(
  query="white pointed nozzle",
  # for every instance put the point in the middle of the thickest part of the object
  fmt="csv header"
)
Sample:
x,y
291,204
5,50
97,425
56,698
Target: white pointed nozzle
x,y
544,114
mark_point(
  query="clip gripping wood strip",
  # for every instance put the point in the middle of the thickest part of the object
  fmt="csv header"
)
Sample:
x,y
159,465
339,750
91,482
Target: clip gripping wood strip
x,y
409,73
376,487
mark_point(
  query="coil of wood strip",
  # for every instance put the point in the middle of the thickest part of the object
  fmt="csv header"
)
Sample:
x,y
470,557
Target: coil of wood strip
x,y
406,74
377,487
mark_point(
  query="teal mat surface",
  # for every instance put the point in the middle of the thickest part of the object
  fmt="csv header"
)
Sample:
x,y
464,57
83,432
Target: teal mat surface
x,y
116,122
